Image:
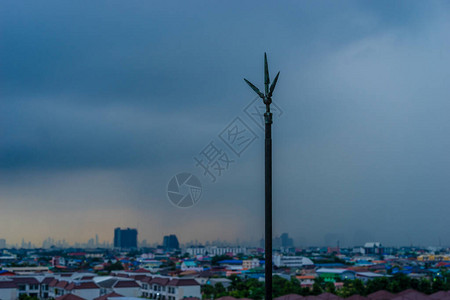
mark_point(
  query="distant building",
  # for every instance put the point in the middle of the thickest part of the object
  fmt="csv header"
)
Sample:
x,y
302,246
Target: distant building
x,y
374,248
291,261
2,243
250,264
171,242
170,288
358,250
190,265
366,276
331,250
286,241
212,251
276,242
26,286
306,281
333,275
125,238
26,270
58,261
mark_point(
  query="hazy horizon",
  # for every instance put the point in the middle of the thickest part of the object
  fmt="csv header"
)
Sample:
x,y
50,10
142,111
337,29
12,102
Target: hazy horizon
x,y
194,243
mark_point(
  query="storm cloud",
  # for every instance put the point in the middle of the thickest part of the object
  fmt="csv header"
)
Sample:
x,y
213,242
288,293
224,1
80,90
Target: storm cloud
x,y
102,103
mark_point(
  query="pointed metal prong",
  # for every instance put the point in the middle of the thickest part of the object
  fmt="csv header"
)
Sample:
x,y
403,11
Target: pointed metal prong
x,y
266,74
255,88
274,83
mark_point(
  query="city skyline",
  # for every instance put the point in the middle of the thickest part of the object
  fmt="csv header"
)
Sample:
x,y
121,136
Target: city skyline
x,y
283,240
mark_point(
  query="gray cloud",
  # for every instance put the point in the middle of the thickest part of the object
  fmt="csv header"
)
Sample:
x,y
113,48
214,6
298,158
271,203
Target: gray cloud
x,y
102,103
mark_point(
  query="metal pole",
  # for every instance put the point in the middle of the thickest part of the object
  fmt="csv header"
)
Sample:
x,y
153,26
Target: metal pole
x,y
267,100
268,203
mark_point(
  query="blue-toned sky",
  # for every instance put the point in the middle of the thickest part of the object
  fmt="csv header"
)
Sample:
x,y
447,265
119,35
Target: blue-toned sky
x,y
102,102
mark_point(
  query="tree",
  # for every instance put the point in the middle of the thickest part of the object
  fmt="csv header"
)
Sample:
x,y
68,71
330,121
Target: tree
x,y
217,258
296,286
360,289
320,281
235,280
394,286
305,291
404,282
438,285
415,284
207,291
352,287
115,266
425,286
219,290
377,284
279,286
330,288
27,297
316,290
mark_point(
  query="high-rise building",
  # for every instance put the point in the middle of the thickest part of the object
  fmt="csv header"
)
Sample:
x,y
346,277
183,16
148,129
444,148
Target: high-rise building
x,y
125,238
90,243
171,242
262,243
276,242
2,243
117,237
286,241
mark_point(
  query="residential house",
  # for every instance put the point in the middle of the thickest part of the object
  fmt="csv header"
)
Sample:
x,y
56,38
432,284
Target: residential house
x,y
250,264
85,289
190,265
8,290
108,296
306,280
26,285
183,288
45,287
69,297
169,288
124,286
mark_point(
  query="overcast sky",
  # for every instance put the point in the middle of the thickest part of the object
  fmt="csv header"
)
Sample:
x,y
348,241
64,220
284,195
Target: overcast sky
x,y
102,102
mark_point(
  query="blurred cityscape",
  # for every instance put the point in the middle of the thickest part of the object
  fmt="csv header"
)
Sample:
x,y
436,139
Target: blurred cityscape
x,y
125,268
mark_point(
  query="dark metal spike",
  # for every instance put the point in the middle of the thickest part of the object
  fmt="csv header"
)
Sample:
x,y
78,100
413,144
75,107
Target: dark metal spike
x,y
274,83
255,88
266,74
